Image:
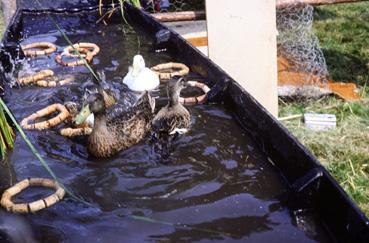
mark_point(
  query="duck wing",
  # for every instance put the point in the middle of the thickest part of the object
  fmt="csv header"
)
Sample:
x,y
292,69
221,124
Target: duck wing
x,y
170,118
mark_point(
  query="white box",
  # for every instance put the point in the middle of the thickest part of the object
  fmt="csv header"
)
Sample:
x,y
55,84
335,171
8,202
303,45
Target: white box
x,y
320,122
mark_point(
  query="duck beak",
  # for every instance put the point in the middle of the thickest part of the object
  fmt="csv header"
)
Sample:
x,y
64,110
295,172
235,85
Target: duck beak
x,y
82,115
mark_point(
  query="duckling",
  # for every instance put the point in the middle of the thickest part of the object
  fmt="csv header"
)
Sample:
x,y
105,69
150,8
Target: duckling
x,y
174,117
140,78
111,134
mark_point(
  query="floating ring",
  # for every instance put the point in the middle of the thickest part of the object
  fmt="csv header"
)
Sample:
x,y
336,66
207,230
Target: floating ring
x,y
54,82
92,48
72,132
88,50
196,99
36,77
62,116
168,70
87,56
47,49
32,207
84,129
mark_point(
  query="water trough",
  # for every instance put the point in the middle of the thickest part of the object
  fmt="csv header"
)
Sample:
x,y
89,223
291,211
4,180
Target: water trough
x,y
316,208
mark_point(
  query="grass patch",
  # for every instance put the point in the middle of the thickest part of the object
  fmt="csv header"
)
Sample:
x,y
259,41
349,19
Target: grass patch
x,y
2,26
343,31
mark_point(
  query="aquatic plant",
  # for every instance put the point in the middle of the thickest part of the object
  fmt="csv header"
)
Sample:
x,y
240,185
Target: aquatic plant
x,y
6,134
135,3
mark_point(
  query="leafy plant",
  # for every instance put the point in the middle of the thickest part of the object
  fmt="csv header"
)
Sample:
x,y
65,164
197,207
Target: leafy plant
x,y
6,134
135,3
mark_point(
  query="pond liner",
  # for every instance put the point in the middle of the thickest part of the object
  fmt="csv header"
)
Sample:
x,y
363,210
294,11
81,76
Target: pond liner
x,y
311,185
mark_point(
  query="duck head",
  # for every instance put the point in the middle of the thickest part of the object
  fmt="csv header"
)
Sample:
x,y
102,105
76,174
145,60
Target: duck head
x,y
174,89
94,104
138,65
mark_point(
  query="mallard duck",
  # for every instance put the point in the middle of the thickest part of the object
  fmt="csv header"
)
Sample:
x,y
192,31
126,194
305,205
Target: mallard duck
x,y
174,117
140,78
110,98
113,133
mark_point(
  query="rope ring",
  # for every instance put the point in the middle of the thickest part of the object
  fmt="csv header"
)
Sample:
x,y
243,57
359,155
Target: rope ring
x,y
36,77
87,56
68,53
196,99
92,48
52,122
54,82
32,207
47,49
73,132
168,70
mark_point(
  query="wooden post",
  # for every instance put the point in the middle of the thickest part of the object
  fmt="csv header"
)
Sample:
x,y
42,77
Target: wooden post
x,y
242,40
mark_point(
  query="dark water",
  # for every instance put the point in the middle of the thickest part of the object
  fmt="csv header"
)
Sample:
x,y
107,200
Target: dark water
x,y
215,186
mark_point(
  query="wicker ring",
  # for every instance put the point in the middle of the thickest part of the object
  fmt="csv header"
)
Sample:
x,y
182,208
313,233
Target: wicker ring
x,y
62,116
73,132
168,70
92,48
36,77
47,49
197,99
32,207
55,82
86,55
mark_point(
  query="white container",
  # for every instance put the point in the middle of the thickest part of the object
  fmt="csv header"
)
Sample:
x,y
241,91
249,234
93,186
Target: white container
x,y
320,122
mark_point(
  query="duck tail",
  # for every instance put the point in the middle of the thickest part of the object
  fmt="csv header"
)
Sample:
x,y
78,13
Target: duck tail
x,y
146,101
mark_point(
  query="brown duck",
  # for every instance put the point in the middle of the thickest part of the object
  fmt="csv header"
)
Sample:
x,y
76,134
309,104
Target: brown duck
x,y
111,134
174,117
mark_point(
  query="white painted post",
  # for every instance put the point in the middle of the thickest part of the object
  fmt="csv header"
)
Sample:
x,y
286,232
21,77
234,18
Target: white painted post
x,y
242,40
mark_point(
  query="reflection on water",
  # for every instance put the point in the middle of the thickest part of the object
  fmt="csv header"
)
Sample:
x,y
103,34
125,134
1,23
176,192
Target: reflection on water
x,y
215,185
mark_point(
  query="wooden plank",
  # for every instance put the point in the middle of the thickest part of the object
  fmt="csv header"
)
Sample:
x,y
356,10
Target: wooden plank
x,y
198,41
286,3
242,40
179,16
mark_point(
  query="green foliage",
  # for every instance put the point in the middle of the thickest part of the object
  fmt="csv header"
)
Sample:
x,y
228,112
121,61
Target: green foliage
x,y
343,33
6,134
135,3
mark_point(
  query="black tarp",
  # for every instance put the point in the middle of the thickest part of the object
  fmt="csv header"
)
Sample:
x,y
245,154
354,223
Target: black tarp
x,y
57,4
311,185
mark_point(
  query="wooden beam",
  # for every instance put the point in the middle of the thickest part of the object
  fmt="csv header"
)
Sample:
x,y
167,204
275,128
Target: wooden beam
x,y
200,15
286,3
180,16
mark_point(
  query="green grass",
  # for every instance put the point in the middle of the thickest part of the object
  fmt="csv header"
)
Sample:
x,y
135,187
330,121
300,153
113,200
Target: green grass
x,y
2,26
343,31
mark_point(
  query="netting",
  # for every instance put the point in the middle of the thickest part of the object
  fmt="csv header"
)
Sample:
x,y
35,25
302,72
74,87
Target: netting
x,y
299,52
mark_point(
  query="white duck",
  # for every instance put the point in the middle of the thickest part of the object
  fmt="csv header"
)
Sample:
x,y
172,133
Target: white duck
x,y
140,78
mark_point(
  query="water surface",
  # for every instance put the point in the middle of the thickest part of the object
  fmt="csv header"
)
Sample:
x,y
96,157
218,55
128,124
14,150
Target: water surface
x,y
215,185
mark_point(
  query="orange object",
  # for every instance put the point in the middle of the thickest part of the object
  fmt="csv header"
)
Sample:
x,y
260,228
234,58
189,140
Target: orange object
x,y
346,91
287,75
